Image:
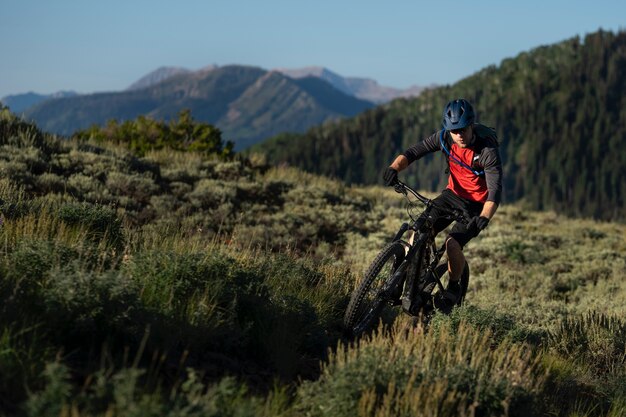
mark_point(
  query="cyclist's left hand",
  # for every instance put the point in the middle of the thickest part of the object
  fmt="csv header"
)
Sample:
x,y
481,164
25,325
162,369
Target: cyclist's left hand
x,y
390,176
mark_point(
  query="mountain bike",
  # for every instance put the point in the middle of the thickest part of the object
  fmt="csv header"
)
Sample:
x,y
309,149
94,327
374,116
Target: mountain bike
x,y
407,271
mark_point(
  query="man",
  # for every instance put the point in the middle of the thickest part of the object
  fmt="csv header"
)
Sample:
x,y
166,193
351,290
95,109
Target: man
x,y
474,184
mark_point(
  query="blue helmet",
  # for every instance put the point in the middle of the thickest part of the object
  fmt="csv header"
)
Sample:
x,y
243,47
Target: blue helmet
x,y
458,114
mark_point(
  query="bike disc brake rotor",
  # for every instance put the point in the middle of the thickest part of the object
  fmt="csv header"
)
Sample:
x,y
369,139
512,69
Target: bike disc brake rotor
x,y
391,288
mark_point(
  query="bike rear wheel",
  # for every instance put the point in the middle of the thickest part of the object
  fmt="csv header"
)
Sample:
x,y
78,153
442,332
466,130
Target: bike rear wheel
x,y
374,291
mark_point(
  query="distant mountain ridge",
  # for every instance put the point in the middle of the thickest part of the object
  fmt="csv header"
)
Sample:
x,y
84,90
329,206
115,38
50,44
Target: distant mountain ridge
x,y
156,76
20,102
363,88
248,104
164,73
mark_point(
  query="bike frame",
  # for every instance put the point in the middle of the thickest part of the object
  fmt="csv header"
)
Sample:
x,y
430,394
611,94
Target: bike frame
x,y
422,227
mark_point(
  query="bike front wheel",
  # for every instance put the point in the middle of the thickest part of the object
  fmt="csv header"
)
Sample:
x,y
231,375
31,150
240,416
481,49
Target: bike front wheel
x,y
377,288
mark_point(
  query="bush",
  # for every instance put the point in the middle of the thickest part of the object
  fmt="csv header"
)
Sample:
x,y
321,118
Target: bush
x,y
146,134
210,193
16,132
30,261
499,325
23,354
86,187
128,392
139,187
101,222
51,183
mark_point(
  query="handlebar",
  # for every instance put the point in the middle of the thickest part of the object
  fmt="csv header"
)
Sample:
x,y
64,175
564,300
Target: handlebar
x,y
454,214
402,188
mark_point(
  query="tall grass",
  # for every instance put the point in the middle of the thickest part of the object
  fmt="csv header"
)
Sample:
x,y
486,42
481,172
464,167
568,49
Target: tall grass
x,y
415,372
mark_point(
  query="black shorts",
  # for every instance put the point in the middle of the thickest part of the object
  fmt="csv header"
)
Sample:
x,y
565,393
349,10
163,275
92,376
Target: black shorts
x,y
447,199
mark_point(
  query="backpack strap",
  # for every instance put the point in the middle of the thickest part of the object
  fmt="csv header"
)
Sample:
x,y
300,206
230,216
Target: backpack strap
x,y
454,159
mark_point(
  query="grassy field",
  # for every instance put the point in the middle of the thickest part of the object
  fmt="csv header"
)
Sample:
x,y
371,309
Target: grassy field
x,y
180,285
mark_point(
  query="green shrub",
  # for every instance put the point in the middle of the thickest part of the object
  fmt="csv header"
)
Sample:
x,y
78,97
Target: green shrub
x,y
139,187
209,193
54,399
101,222
127,392
17,132
23,354
96,306
146,134
87,187
522,252
499,325
17,172
30,261
48,285
51,183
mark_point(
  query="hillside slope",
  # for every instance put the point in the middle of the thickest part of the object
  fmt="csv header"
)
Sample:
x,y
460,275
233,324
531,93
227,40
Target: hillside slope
x,y
179,284
559,111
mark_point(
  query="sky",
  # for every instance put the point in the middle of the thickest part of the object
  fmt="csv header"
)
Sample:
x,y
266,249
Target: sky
x,y
93,46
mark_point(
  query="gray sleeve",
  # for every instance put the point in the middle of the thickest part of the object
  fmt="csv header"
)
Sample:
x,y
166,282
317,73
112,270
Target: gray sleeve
x,y
428,145
493,174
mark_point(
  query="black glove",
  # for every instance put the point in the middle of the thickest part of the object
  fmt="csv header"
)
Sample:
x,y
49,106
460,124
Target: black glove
x,y
390,176
477,224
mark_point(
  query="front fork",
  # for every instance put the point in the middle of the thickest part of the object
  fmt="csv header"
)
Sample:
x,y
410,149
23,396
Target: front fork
x,y
409,294
411,299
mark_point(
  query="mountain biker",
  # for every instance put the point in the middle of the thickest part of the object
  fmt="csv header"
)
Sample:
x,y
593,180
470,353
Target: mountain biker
x,y
474,183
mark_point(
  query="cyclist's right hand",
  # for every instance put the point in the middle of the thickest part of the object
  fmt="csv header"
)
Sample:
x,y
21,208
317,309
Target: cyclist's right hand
x,y
390,175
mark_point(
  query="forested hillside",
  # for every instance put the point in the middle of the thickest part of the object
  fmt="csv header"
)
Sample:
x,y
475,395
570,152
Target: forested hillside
x,y
559,110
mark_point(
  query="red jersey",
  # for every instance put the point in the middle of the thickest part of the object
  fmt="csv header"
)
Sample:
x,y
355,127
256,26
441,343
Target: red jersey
x,y
464,182
483,155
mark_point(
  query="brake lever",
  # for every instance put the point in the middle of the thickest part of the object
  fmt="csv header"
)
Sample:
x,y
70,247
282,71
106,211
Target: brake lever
x,y
399,188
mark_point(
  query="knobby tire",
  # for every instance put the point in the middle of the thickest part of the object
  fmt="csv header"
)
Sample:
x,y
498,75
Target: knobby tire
x,y
363,312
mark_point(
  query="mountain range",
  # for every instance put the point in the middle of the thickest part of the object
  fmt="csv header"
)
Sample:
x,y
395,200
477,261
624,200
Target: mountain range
x,y
248,104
